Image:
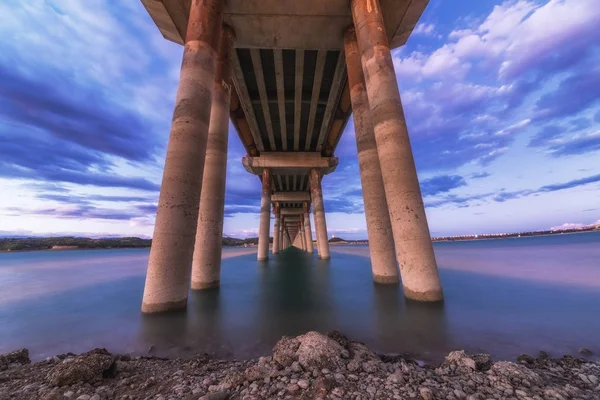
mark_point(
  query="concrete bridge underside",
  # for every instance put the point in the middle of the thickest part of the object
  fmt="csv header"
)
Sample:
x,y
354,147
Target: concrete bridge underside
x,y
288,75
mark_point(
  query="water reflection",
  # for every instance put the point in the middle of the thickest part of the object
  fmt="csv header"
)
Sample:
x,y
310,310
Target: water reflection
x,y
295,292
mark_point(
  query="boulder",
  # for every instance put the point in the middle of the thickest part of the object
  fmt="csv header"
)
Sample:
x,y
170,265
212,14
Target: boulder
x,y
318,351
457,362
284,352
87,368
15,357
515,373
311,350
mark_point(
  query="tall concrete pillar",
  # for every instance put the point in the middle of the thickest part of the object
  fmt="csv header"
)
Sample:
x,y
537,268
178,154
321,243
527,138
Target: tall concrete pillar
x,y
379,227
316,194
301,234
168,275
414,250
307,230
276,234
265,216
206,264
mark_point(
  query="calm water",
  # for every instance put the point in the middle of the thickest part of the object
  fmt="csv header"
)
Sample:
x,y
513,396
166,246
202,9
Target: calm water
x,y
504,297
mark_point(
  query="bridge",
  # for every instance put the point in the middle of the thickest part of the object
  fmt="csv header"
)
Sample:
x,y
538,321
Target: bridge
x,y
288,74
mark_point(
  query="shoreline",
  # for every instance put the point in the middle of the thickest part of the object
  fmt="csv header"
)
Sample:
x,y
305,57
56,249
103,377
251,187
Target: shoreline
x,y
309,366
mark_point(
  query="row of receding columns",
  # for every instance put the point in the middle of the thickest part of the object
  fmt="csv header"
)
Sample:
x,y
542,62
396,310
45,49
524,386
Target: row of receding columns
x,y
394,210
189,220
296,228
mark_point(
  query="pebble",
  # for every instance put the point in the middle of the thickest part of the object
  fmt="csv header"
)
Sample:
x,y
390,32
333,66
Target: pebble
x,y
84,397
303,383
69,394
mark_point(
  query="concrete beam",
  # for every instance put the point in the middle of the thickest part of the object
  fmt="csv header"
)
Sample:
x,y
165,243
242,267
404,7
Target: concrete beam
x,y
292,211
321,55
307,24
298,98
287,163
262,91
332,102
278,54
242,92
290,197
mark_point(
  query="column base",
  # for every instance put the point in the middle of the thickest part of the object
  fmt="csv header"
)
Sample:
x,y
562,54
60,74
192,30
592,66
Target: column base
x,y
430,296
325,258
154,308
386,279
205,285
262,259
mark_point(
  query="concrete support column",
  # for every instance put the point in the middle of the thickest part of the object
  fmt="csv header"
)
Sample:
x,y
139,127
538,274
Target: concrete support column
x,y
316,194
414,250
276,232
379,227
206,264
265,216
301,234
307,229
168,275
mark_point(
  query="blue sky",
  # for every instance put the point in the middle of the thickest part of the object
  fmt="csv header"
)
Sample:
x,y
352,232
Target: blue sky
x,y
502,100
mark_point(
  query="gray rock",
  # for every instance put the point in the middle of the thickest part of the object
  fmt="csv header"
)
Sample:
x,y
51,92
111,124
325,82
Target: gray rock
x,y
318,351
585,352
284,352
426,393
525,359
69,394
84,397
303,383
17,357
89,368
220,395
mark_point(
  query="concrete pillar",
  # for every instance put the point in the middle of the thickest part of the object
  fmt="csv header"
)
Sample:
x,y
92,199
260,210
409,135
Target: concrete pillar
x,y
276,234
265,216
379,227
168,275
206,264
316,194
414,250
307,230
301,234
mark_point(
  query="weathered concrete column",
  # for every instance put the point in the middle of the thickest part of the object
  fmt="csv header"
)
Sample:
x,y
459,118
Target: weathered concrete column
x,y
265,216
379,227
301,234
206,264
276,234
316,194
168,275
414,250
307,230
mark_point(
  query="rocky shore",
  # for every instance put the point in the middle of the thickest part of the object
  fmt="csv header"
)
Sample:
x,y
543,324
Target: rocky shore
x,y
310,366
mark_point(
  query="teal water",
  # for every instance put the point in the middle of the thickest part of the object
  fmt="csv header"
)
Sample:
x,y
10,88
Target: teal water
x,y
504,297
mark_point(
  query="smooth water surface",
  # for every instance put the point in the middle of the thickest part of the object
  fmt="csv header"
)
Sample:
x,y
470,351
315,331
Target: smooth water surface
x,y
505,297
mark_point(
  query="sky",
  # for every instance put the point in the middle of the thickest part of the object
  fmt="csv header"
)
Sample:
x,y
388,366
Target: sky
x,y
502,102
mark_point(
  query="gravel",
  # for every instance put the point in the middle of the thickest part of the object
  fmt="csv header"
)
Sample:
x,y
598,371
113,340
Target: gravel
x,y
310,366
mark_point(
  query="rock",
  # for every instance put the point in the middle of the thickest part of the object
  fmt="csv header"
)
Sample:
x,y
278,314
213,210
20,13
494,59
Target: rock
x,y
303,383
512,372
17,357
69,394
284,352
426,393
84,397
318,351
89,368
340,338
525,359
593,379
220,395
95,397
585,352
483,362
457,362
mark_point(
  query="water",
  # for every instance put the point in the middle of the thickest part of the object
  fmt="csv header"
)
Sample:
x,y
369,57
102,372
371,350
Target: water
x,y
504,297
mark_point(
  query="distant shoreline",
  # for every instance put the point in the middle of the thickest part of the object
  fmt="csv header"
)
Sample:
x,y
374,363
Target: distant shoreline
x,y
61,244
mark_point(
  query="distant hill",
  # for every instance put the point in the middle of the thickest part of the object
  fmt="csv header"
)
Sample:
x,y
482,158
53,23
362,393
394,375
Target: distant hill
x,y
72,243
